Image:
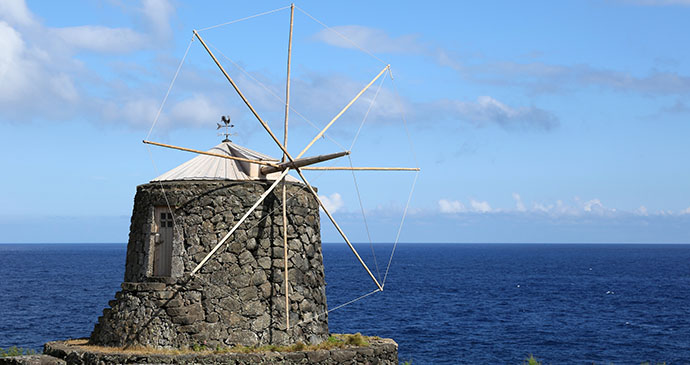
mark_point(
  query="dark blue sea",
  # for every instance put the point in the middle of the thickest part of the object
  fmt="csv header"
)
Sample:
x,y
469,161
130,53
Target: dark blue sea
x,y
442,303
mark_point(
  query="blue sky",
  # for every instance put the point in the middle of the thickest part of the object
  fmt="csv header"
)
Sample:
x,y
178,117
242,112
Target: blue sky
x,y
534,121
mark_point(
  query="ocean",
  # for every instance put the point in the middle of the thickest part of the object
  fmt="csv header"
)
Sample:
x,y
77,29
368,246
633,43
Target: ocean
x,y
442,303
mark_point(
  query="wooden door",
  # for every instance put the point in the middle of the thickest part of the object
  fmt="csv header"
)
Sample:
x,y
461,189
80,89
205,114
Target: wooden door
x,y
162,253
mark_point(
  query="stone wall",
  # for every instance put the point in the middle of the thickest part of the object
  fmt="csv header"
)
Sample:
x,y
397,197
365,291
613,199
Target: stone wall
x,y
380,351
238,296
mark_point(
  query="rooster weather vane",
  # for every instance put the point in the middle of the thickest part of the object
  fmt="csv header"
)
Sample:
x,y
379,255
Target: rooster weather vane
x,y
226,124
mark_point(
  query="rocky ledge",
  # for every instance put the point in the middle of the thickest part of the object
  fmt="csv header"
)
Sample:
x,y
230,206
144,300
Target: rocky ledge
x,y
379,351
31,360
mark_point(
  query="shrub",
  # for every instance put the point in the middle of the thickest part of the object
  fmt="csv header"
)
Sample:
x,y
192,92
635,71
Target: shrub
x,y
16,351
356,340
198,347
531,361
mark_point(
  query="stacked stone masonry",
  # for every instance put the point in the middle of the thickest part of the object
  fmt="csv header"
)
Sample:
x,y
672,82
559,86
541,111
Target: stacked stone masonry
x,y
380,351
238,296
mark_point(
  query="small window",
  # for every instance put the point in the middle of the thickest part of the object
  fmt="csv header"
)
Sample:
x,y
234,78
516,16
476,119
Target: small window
x,y
166,220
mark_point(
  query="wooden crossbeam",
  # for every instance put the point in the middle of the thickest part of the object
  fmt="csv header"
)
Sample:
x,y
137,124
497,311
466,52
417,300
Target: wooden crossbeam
x,y
244,217
244,99
360,168
285,139
287,154
300,162
258,162
342,111
337,227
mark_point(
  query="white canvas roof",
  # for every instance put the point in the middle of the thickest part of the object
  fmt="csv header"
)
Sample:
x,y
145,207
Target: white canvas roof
x,y
205,167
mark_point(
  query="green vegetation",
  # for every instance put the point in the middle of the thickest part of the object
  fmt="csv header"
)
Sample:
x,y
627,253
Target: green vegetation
x,y
199,347
335,341
531,361
16,351
356,340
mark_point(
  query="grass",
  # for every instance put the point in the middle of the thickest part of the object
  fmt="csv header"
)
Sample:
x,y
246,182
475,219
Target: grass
x,y
132,350
334,341
16,351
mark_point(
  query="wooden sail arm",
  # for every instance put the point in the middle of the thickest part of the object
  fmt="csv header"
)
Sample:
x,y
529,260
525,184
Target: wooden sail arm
x,y
246,101
258,162
285,140
337,227
300,162
342,111
287,154
244,217
361,168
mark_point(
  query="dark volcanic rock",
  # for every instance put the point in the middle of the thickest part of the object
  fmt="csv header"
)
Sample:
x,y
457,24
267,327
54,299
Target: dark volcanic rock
x,y
380,351
238,295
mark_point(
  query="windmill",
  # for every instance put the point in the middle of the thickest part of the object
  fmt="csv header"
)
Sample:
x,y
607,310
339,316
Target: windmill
x,y
288,163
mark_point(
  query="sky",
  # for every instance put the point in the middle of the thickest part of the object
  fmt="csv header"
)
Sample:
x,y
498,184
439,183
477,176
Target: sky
x,y
531,121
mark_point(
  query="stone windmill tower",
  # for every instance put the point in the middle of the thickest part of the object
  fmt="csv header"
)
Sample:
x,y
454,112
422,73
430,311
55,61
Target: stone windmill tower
x,y
217,255
236,297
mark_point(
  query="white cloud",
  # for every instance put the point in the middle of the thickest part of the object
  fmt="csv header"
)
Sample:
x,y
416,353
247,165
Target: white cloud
x,y
64,87
196,111
487,110
30,79
596,207
14,80
541,78
575,209
579,208
538,77
101,39
16,12
370,39
594,203
158,13
539,207
335,90
40,73
519,205
455,206
480,206
450,206
332,202
40,63
136,112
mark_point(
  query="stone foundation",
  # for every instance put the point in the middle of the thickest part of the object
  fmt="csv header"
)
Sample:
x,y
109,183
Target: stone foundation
x,y
238,296
32,360
380,351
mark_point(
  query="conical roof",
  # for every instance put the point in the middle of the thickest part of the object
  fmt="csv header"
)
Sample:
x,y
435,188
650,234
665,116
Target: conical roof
x,y
205,167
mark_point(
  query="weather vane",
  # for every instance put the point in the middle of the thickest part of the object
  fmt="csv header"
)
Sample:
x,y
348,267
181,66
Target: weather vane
x,y
226,124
